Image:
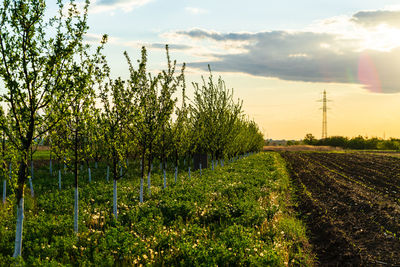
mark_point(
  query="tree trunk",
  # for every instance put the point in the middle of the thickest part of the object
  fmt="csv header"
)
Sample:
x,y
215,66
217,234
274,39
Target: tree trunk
x,y
59,179
4,191
76,173
141,190
20,207
51,166
108,173
18,232
115,199
165,180
76,210
115,178
31,187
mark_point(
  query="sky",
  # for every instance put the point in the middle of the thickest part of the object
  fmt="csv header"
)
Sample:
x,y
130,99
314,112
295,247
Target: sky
x,y
278,56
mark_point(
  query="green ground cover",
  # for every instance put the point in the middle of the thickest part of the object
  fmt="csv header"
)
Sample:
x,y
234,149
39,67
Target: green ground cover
x,y
239,214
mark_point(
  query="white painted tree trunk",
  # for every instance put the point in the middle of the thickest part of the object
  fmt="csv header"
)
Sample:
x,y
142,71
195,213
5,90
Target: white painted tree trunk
x,y
90,175
59,179
31,187
95,164
18,231
165,179
189,173
51,168
76,210
141,190
176,173
31,169
149,183
115,199
4,190
200,168
108,173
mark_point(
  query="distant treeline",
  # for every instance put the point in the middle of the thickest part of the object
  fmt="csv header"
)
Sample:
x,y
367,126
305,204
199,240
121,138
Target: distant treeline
x,y
358,142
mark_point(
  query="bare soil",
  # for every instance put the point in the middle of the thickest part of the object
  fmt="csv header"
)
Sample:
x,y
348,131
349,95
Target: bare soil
x,y
301,148
350,202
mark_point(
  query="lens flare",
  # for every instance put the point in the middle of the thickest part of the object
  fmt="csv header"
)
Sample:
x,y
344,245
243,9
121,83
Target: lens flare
x,y
367,73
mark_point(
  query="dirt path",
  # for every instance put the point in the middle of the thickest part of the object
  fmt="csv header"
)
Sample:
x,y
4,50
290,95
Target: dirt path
x,y
350,207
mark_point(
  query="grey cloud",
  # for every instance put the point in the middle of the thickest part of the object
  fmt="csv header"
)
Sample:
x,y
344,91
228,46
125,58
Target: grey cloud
x,y
110,2
372,18
171,46
309,57
200,34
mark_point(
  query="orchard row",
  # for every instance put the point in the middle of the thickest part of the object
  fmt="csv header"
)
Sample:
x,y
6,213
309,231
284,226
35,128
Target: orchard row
x,y
59,89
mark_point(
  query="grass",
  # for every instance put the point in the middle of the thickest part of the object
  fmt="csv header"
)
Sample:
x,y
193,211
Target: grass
x,y
239,214
41,155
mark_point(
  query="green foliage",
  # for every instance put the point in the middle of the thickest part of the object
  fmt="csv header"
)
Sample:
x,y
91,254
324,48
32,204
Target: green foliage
x,y
114,121
236,215
309,139
358,142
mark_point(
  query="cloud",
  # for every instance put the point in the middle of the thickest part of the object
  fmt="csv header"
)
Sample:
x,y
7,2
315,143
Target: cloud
x,y
201,34
305,56
101,6
95,39
170,46
195,10
377,17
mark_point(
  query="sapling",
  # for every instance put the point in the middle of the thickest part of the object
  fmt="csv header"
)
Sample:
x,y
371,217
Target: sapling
x,y
34,65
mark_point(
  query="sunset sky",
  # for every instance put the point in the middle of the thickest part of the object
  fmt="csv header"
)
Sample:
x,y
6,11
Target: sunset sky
x,y
278,56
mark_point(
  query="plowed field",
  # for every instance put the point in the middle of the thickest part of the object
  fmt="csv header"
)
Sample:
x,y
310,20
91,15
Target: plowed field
x,y
350,203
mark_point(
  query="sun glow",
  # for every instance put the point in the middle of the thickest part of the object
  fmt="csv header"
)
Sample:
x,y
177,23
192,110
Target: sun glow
x,y
381,38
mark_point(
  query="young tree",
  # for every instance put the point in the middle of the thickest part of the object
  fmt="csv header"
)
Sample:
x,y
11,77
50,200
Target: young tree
x,y
213,116
143,112
34,57
72,140
115,99
169,83
180,130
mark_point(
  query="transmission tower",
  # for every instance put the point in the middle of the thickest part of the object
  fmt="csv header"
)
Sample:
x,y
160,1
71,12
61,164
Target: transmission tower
x,y
324,117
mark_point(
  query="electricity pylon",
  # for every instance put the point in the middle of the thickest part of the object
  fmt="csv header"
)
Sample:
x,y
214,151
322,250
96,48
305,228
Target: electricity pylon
x,y
324,115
